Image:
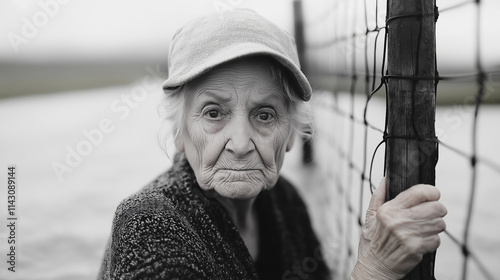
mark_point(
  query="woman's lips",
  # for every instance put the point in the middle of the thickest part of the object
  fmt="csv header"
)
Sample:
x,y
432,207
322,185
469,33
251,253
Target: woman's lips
x,y
243,169
234,175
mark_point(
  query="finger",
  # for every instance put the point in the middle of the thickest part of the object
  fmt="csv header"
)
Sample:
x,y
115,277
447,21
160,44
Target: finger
x,y
416,195
378,197
428,210
426,228
436,226
430,243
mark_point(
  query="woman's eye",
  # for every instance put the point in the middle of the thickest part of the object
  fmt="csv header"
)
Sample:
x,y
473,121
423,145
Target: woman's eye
x,y
213,114
265,117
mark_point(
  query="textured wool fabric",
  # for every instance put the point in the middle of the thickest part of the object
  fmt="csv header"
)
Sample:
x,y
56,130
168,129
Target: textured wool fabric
x,y
212,40
172,230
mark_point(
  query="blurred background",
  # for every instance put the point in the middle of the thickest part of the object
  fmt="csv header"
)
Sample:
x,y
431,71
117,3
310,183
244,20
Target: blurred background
x,y
79,97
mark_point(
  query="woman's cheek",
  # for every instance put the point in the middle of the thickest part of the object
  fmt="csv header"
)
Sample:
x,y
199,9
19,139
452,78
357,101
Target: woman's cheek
x,y
273,144
213,148
280,136
212,126
198,136
209,141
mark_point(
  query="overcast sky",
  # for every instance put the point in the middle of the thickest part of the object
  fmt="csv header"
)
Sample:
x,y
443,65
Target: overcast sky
x,y
96,28
80,29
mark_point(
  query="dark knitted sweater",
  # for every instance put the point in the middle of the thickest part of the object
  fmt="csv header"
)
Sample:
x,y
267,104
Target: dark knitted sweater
x,y
172,230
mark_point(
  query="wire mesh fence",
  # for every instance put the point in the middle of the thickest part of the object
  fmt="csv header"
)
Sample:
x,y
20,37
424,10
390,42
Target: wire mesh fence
x,y
345,56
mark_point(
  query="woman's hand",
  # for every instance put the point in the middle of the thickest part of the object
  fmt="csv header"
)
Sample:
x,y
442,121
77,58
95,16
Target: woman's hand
x,y
398,233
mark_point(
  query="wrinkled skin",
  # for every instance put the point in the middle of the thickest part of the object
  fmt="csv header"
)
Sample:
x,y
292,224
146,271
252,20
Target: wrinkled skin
x,y
399,232
237,130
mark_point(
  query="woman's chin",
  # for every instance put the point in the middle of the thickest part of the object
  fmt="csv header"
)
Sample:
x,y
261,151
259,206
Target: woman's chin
x,y
238,190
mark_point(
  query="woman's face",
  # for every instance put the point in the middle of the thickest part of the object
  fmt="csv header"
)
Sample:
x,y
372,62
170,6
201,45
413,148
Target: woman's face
x,y
236,129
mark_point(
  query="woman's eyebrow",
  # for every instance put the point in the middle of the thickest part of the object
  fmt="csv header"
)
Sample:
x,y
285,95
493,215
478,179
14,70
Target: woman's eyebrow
x,y
216,94
266,97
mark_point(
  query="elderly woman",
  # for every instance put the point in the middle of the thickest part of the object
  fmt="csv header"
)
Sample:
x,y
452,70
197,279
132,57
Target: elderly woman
x,y
237,98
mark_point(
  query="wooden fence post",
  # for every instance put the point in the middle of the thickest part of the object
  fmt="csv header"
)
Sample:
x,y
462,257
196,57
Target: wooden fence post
x,y
307,145
411,150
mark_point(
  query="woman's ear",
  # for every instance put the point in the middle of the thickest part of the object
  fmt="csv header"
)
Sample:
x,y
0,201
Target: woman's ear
x,y
291,140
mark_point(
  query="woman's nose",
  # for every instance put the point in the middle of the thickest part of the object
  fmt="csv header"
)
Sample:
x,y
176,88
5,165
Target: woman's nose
x,y
240,137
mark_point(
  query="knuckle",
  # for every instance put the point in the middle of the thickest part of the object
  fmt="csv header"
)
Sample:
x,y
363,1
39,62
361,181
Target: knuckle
x,y
402,237
399,231
434,243
392,221
438,209
413,248
437,241
441,225
438,192
392,227
444,210
383,213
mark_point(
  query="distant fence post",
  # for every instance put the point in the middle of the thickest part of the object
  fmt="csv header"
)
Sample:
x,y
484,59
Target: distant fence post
x,y
298,19
411,148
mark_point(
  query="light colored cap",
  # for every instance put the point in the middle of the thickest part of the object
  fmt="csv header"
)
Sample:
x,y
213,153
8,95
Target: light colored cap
x,y
204,43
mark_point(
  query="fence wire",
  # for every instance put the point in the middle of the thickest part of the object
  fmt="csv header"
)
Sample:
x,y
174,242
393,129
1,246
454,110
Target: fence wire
x,y
345,56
